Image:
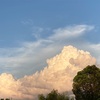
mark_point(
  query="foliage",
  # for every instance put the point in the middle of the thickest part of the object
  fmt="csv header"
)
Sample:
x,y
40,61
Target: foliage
x,y
4,99
7,99
86,84
54,95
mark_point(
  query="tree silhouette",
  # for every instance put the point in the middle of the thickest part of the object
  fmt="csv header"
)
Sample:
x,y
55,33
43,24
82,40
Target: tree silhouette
x,y
86,84
54,95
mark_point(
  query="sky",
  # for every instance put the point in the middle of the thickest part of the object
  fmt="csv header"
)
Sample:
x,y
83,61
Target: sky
x,y
34,31
22,19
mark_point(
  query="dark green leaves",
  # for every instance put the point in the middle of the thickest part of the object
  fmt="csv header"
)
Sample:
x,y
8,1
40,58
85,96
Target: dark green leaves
x,y
86,84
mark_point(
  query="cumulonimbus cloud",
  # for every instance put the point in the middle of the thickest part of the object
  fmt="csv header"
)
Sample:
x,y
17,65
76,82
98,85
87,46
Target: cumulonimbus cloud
x,y
58,75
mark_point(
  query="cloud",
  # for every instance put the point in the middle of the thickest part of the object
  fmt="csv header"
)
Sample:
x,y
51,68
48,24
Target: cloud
x,y
37,31
8,86
70,32
58,75
31,56
27,22
95,49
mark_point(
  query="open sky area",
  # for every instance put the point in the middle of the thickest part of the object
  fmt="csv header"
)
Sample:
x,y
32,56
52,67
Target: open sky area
x,y
32,31
44,43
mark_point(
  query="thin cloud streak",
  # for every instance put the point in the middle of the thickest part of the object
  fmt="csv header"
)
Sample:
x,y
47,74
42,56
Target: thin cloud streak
x,y
32,56
71,32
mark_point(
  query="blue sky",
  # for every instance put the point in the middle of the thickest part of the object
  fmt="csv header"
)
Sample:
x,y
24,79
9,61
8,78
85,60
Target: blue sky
x,y
30,27
17,18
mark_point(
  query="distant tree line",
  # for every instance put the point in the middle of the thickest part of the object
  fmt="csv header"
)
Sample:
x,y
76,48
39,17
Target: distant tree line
x,y
54,95
5,99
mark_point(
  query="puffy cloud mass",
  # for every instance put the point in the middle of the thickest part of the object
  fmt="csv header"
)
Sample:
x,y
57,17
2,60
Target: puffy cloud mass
x,y
58,75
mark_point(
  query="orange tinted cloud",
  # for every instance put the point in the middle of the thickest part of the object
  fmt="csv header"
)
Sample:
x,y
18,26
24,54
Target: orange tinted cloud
x,y
57,75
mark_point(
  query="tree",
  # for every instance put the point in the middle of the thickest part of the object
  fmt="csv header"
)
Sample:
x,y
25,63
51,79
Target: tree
x,y
41,97
7,99
86,84
54,95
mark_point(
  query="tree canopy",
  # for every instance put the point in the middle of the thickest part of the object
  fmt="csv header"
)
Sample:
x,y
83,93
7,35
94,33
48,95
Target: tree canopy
x,y
86,84
54,95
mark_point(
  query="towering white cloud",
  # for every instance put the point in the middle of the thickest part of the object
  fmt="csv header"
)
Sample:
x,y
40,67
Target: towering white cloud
x,y
57,75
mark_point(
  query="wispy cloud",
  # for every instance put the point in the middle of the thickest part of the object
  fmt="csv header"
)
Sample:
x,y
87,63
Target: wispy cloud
x,y
32,56
95,49
39,32
71,31
27,22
